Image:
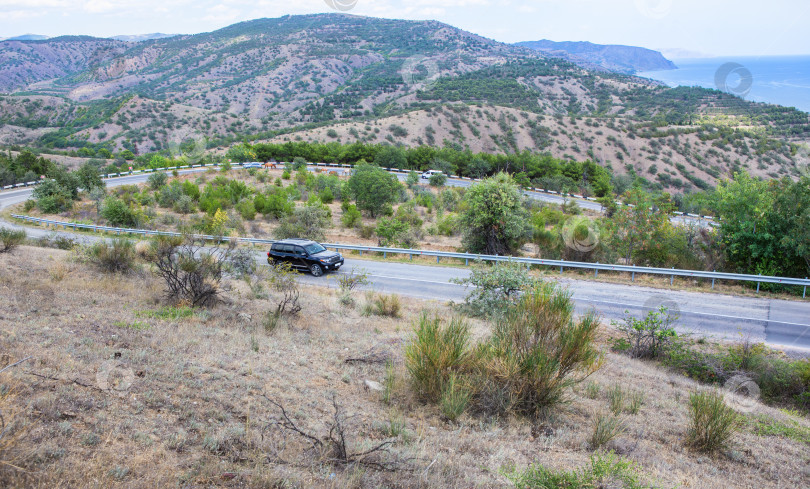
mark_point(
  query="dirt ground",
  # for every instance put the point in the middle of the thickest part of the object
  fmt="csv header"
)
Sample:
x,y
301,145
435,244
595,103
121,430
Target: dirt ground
x,y
118,394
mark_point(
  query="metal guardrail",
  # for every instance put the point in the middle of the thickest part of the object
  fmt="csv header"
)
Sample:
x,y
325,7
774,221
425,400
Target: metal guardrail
x,y
467,257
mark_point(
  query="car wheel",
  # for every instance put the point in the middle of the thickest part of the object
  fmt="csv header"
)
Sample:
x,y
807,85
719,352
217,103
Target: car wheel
x,y
316,270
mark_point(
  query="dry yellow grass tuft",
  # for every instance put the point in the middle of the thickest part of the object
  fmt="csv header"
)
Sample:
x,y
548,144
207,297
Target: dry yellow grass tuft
x,y
123,391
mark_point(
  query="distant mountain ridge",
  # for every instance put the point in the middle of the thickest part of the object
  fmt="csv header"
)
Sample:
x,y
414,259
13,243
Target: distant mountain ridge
x,y
26,37
143,37
613,57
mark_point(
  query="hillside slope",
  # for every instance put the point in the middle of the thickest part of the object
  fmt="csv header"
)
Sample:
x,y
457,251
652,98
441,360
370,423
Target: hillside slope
x,y
266,78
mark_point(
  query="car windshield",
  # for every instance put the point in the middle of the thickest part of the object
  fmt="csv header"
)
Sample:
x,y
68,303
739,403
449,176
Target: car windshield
x,y
314,248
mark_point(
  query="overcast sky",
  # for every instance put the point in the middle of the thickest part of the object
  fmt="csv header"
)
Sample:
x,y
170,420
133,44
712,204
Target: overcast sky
x,y
717,27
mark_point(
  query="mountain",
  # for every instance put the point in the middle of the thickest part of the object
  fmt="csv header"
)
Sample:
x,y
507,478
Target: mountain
x,y
365,79
622,59
26,37
143,37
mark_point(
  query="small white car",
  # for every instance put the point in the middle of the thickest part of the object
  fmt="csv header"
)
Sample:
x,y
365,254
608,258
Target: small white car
x,y
430,173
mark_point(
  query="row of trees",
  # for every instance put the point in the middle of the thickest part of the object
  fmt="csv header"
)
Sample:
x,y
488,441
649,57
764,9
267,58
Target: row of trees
x,y
528,168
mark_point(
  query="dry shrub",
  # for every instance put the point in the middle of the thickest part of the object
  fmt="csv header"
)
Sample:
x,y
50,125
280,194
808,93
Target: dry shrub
x,y
435,353
383,305
10,239
58,271
606,427
712,423
536,353
192,271
115,256
12,430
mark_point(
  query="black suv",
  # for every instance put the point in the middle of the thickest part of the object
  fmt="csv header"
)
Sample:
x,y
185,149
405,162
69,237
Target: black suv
x,y
304,254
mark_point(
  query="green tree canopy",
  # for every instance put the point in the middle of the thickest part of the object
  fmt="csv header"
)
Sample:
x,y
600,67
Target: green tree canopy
x,y
373,188
494,220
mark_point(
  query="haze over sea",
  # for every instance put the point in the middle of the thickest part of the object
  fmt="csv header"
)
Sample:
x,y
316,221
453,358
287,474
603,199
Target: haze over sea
x,y
783,80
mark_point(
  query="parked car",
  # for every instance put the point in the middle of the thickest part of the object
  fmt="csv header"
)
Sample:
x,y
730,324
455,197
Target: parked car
x,y
430,173
252,164
304,254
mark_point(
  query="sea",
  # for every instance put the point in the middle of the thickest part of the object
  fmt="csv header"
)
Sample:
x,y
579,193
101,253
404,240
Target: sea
x,y
782,80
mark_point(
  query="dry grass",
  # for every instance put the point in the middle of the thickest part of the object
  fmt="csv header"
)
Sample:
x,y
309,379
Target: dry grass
x,y
182,401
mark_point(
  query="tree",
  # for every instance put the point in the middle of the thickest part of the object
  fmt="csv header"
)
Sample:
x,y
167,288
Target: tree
x,y
391,157
742,206
89,177
241,153
373,188
494,219
643,230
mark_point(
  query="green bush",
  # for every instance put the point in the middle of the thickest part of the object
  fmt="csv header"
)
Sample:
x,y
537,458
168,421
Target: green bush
x,y
115,256
605,470
494,287
169,195
52,198
326,196
438,180
351,217
185,205
157,180
437,351
118,213
305,222
246,210
455,398
10,239
712,423
648,337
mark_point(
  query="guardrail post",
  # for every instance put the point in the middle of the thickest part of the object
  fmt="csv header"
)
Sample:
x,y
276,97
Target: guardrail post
x,y
466,262
713,271
633,279
411,255
561,269
385,255
596,271
437,259
672,279
758,284
804,295
361,252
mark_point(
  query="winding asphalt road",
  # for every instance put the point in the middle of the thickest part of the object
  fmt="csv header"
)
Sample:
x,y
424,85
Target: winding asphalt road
x,y
779,323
